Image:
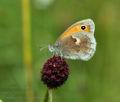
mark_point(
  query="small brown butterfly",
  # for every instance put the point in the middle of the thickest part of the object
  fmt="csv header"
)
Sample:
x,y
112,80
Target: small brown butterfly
x,y
77,42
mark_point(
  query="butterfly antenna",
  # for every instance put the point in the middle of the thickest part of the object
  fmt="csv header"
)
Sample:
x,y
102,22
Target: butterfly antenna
x,y
42,48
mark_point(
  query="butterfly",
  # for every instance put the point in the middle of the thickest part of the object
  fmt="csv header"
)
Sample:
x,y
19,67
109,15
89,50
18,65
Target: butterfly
x,y
77,42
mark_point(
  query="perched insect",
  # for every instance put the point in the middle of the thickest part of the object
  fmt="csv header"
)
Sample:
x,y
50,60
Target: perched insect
x,y
77,42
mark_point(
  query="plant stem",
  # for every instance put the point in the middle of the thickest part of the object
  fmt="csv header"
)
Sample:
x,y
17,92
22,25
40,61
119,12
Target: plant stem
x,y
50,95
27,49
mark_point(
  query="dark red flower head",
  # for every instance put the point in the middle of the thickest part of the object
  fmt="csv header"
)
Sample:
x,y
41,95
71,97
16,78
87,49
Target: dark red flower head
x,y
55,72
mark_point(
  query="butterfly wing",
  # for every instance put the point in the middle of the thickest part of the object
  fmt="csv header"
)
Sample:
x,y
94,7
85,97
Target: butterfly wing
x,y
83,48
77,43
76,28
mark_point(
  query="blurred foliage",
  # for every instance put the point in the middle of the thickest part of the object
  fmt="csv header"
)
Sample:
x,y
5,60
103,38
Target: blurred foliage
x,y
94,81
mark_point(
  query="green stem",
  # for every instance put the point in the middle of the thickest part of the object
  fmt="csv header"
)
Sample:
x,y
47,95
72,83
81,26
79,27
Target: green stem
x,y
48,96
27,49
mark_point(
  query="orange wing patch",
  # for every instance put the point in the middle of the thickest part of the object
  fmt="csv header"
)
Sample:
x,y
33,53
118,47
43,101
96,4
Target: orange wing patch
x,y
74,29
70,31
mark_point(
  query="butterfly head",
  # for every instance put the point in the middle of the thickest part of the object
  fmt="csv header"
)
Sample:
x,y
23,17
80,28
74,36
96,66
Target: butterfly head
x,y
55,49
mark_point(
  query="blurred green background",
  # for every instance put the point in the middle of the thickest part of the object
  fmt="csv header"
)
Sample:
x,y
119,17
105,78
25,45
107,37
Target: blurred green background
x,y
97,80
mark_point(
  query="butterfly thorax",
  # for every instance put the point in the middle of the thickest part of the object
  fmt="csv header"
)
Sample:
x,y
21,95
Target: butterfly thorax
x,y
56,49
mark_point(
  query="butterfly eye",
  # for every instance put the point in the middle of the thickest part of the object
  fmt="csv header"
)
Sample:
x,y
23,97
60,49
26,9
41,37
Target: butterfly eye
x,y
83,27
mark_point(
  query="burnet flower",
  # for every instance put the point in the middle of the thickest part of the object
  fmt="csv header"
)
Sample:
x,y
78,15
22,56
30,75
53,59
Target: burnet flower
x,y
55,72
